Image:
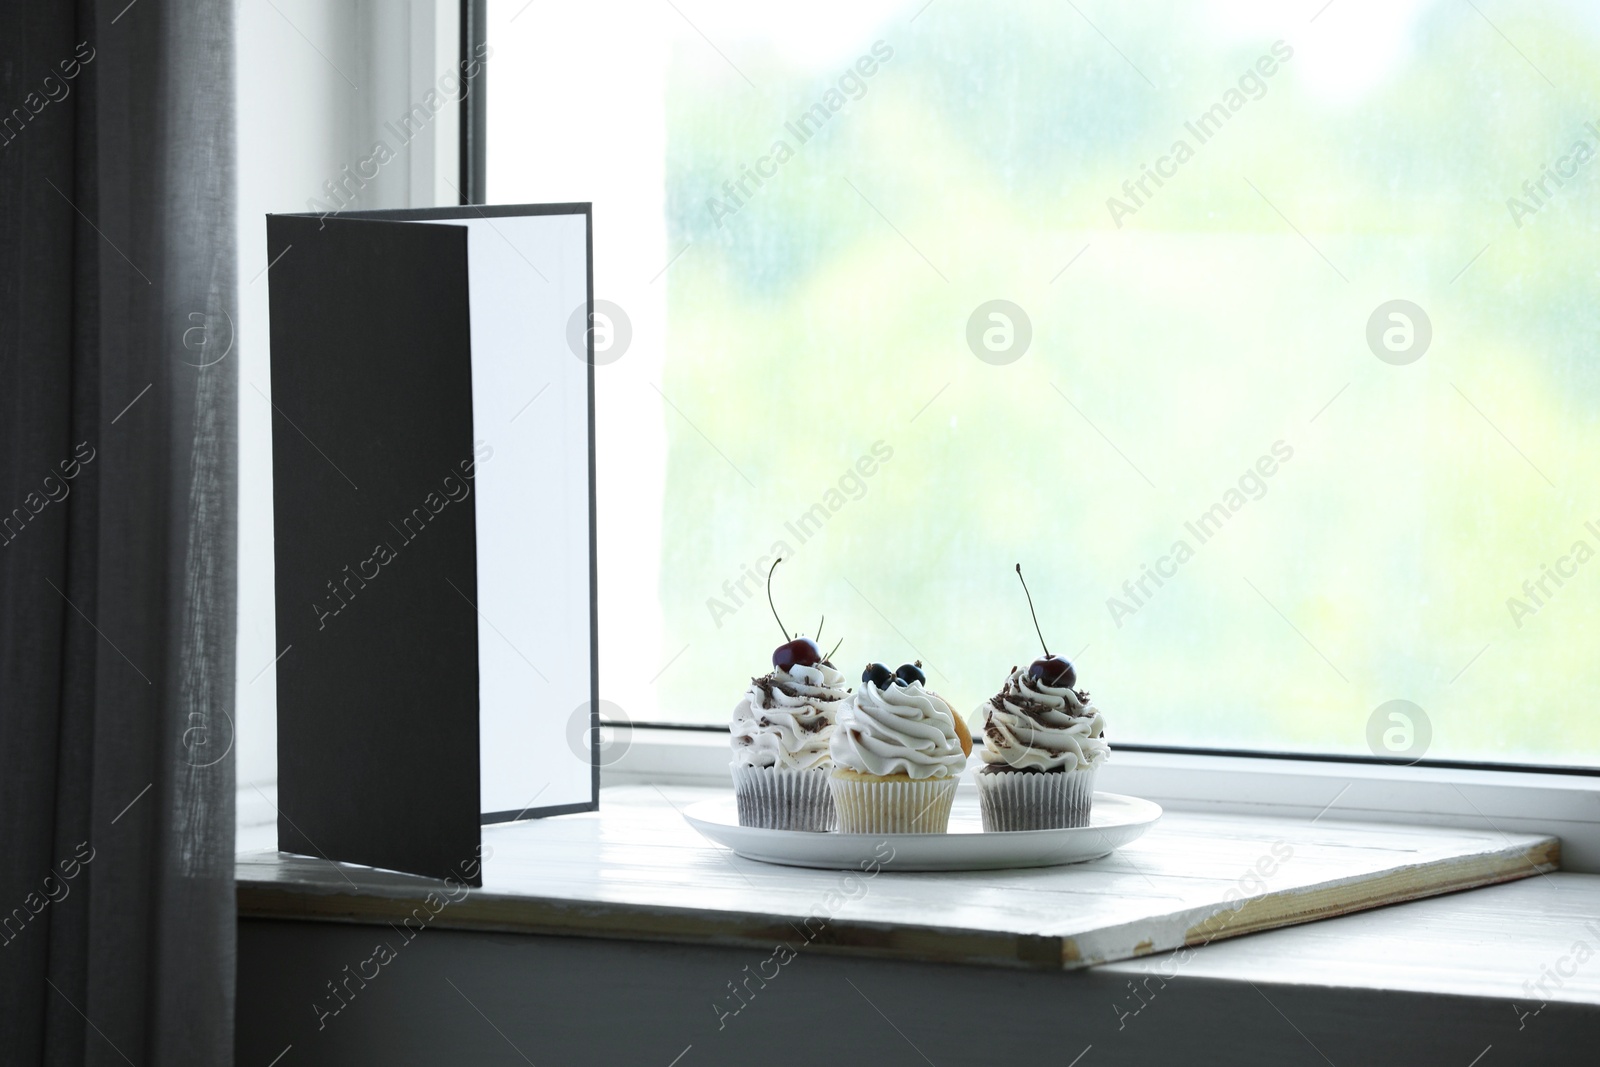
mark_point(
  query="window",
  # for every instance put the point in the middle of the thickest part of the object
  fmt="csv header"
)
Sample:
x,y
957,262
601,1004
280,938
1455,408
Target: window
x,y
1259,336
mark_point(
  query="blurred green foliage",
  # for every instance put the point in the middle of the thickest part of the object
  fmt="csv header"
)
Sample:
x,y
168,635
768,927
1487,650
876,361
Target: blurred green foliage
x,y
830,312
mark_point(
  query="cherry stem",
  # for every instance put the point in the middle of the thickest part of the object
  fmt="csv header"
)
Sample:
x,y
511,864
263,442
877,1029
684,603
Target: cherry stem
x,y
1030,612
818,635
829,656
774,608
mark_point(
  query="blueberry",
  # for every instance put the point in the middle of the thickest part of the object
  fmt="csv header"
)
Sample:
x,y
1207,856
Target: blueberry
x,y
910,672
878,675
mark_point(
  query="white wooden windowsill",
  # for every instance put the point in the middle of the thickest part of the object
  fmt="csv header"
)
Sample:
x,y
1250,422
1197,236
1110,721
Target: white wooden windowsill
x,y
635,871
1515,943
1502,941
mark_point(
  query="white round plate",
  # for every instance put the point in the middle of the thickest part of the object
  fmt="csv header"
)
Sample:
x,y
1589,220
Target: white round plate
x,y
1114,821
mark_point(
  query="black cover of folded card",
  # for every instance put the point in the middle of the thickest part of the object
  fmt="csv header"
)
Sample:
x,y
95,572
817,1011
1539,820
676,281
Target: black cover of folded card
x,y
392,498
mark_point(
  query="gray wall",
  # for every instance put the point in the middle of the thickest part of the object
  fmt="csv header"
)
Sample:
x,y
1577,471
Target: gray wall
x,y
584,1001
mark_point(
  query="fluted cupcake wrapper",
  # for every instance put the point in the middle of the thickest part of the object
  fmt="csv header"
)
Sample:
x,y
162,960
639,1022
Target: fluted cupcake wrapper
x,y
1035,800
777,798
918,807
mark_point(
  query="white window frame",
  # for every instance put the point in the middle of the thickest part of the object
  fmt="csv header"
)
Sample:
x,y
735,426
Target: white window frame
x,y
1498,801
318,84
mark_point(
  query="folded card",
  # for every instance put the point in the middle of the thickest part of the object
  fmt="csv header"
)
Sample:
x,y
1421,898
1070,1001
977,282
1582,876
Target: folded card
x,y
433,495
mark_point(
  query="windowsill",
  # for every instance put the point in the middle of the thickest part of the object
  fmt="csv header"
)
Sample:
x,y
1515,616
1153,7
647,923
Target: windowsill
x,y
634,870
1489,944
602,933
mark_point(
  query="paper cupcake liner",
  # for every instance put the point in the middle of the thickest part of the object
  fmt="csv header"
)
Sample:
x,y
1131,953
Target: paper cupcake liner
x,y
777,798
918,807
1035,800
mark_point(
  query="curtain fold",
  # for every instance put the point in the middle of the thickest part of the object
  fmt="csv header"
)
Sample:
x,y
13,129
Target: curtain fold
x,y
118,396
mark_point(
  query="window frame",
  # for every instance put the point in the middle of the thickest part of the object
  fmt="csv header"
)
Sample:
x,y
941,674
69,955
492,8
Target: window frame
x,y
1495,799
473,155
1230,753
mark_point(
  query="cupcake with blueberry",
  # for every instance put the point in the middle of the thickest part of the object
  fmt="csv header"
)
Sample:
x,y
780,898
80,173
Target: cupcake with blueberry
x,y
1043,741
780,733
898,753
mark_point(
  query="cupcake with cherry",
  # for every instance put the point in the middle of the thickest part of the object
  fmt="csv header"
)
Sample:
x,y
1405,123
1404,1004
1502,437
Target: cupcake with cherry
x,y
1043,742
780,734
898,752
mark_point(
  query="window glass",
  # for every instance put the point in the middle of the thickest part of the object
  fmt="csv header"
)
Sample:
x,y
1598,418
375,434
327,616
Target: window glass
x,y
1261,335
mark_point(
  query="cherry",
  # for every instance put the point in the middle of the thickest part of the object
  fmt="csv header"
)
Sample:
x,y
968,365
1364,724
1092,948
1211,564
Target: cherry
x,y
910,672
801,652
878,675
1054,671
795,651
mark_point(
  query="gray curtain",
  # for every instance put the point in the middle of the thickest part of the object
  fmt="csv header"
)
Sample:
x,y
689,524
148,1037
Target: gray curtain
x,y
117,499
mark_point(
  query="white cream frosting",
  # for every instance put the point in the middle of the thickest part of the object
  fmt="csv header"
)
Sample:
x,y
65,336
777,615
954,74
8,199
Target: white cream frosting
x,y
903,729
786,718
1032,726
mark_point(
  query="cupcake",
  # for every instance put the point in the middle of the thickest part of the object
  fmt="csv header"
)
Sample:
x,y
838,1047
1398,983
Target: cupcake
x,y
780,733
1043,741
898,753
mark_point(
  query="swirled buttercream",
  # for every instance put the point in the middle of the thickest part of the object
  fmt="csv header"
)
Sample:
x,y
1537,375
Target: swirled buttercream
x,y
786,718
1032,726
903,729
